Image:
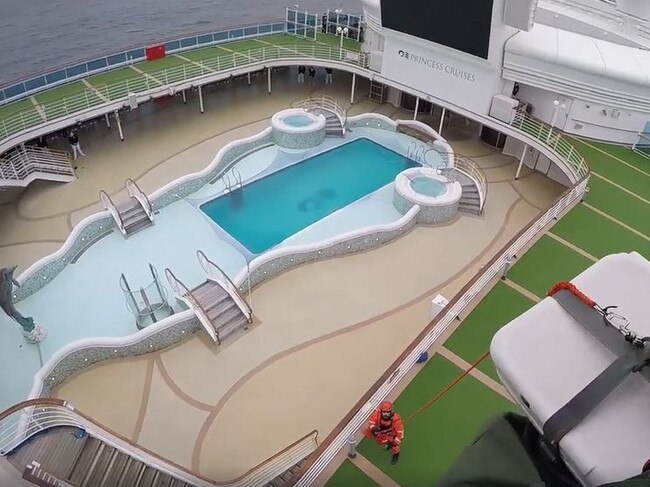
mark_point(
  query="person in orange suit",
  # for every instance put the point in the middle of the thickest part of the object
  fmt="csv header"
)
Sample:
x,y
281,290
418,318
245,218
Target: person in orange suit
x,y
385,427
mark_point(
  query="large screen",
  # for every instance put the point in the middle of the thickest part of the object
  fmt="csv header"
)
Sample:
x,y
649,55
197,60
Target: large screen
x,y
460,24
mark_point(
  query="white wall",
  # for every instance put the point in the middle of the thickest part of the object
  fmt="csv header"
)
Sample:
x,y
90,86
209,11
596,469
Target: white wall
x,y
534,160
585,118
460,78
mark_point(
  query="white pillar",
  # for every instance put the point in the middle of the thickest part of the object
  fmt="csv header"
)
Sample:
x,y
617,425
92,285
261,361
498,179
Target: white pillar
x,y
354,81
268,70
119,125
108,120
184,96
417,107
201,99
521,161
442,120
249,79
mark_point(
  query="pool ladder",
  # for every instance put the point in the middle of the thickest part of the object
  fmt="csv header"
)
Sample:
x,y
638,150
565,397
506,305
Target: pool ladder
x,y
416,152
234,183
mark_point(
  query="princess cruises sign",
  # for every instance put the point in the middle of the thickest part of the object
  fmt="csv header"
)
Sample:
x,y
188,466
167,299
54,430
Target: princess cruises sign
x,y
437,65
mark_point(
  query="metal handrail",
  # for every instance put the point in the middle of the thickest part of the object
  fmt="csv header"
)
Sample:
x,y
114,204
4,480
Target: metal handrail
x,y
474,172
26,419
326,102
28,160
112,209
186,295
161,80
553,139
398,370
210,269
135,192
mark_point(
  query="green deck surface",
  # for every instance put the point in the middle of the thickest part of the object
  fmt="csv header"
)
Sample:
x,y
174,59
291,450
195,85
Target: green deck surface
x,y
435,437
616,171
619,204
598,235
624,153
26,106
138,82
545,264
472,339
349,475
112,76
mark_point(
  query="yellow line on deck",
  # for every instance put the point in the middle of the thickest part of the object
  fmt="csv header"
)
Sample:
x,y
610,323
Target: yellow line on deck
x,y
94,90
147,75
522,290
195,62
573,247
39,108
609,217
614,157
622,188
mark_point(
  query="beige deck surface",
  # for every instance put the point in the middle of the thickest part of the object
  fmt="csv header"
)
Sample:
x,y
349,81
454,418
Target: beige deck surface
x,y
326,330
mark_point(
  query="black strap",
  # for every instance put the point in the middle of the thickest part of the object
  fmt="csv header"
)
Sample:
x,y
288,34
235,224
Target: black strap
x,y
630,359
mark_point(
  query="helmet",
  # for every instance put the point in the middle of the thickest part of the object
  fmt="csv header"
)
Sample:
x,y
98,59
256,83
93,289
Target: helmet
x,y
386,410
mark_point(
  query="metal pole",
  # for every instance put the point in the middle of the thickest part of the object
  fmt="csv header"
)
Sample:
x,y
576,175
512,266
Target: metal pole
x,y
442,120
249,79
354,81
417,106
521,161
268,70
201,99
248,277
108,120
352,446
119,125
184,97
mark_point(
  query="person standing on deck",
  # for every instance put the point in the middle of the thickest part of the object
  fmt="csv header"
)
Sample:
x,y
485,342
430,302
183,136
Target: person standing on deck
x,y
73,139
312,75
328,76
386,428
301,74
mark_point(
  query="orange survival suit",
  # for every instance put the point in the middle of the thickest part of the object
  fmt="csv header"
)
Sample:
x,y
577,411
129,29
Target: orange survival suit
x,y
385,426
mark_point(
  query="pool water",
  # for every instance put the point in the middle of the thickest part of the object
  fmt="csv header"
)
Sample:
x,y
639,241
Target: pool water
x,y
428,186
297,121
267,211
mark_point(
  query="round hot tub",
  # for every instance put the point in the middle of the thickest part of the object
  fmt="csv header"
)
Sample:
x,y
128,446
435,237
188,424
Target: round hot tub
x,y
437,197
297,128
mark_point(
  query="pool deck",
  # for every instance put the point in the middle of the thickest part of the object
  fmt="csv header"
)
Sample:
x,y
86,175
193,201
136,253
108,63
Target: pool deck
x,y
300,367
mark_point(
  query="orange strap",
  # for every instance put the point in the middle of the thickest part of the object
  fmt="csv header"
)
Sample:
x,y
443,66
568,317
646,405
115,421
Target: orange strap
x,y
573,290
447,388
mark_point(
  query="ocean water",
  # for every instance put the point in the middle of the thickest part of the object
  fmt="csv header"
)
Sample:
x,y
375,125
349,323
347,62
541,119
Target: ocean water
x,y
267,211
37,35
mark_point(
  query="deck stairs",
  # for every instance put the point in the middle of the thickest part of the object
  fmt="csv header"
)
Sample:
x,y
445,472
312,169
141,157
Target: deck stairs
x,y
473,182
132,215
62,454
470,201
284,479
27,164
333,125
216,301
330,108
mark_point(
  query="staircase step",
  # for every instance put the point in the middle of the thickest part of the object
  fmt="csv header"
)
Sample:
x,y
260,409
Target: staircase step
x,y
101,467
236,322
222,312
148,478
113,476
85,460
137,226
132,474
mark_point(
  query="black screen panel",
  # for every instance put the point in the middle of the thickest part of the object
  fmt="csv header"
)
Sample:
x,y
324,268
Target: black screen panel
x,y
459,24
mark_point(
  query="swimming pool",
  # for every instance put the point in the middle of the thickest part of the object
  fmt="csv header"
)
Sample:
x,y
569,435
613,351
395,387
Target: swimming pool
x,y
267,211
297,121
427,186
